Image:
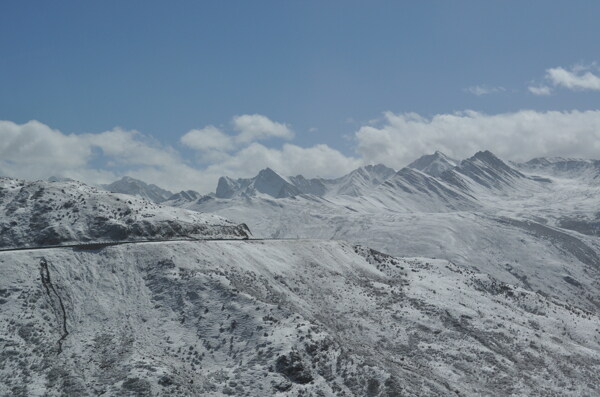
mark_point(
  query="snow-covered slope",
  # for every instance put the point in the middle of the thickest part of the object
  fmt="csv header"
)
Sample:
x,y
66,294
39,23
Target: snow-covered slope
x,y
530,228
135,187
486,171
50,213
358,182
565,167
288,318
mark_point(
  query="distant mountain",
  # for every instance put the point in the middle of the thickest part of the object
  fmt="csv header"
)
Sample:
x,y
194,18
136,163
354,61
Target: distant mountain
x,y
135,187
185,196
486,170
359,181
433,164
272,184
266,182
564,167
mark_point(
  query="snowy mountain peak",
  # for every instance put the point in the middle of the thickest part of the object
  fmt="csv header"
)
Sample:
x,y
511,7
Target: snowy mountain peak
x,y
361,180
266,182
135,187
269,182
378,170
433,164
485,169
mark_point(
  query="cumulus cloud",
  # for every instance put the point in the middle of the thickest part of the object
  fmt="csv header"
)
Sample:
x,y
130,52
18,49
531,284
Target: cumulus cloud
x,y
577,78
207,138
249,127
253,127
516,136
35,151
318,160
480,90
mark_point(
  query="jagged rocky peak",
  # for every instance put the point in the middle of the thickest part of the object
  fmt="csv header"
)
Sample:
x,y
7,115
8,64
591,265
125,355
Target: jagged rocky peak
x,y
226,187
378,172
433,164
269,182
487,159
135,187
185,196
266,182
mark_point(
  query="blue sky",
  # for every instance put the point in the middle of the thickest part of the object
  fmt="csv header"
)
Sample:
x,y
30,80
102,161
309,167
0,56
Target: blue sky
x,y
326,70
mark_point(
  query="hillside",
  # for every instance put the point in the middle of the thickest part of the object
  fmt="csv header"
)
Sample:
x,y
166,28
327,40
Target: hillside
x,y
51,213
305,317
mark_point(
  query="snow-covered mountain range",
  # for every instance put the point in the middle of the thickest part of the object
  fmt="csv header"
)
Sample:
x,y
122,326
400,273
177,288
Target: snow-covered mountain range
x,y
269,183
492,289
533,224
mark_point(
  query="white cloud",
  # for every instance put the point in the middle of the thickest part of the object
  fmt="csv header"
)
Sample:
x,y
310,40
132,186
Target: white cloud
x,y
34,144
34,150
250,128
480,90
253,127
318,160
514,136
578,78
541,90
207,138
